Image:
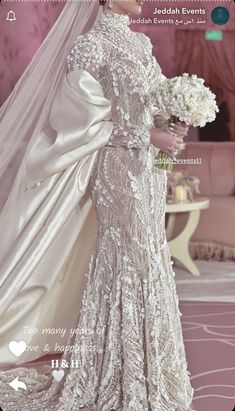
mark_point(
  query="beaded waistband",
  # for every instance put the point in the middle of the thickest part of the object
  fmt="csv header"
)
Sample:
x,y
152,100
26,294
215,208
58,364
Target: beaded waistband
x,y
129,137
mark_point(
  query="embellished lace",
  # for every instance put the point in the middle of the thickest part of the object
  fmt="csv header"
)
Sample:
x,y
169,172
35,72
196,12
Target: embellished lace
x,y
136,358
121,60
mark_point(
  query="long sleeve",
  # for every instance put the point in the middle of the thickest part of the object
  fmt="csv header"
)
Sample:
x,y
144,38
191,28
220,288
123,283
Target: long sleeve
x,y
80,115
156,77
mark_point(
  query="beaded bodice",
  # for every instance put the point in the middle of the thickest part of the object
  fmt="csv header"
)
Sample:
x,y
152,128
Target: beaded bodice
x,y
121,60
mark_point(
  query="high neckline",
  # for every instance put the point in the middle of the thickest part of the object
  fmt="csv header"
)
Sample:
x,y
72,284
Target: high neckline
x,y
115,18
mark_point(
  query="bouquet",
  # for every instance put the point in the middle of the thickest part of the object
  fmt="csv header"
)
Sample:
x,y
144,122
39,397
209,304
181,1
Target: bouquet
x,y
184,98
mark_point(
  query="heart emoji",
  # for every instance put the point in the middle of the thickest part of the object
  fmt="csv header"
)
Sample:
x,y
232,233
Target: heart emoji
x,y
58,375
17,347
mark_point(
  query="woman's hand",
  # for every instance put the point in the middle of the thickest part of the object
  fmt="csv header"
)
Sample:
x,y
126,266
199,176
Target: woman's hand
x,y
169,141
180,128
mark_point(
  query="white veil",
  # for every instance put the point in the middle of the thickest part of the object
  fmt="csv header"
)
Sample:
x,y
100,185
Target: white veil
x,y
26,109
23,116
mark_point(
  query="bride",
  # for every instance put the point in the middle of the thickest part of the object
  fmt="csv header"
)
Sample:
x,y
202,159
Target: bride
x,y
93,146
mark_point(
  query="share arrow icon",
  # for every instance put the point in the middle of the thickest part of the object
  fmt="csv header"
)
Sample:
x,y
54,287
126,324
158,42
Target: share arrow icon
x,y
16,384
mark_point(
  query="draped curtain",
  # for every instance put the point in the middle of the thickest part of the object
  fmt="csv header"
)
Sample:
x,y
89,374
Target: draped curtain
x,y
212,60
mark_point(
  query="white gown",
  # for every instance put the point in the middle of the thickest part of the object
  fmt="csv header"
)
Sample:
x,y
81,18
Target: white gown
x,y
128,352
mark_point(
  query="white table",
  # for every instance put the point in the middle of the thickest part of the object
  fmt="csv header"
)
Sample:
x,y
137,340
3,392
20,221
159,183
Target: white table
x,y
179,246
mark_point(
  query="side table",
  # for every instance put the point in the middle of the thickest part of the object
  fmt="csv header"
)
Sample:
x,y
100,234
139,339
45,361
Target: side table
x,y
179,246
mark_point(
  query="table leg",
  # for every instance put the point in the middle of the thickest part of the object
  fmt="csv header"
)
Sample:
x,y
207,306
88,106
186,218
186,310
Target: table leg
x,y
179,246
170,225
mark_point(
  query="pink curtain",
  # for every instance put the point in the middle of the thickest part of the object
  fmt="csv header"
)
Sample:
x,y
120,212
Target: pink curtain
x,y
222,58
212,60
224,54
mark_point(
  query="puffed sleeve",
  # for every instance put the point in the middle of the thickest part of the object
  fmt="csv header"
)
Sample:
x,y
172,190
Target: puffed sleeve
x,y
80,116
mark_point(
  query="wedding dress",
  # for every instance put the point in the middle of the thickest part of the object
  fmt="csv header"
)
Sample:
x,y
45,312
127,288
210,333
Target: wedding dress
x,y
128,352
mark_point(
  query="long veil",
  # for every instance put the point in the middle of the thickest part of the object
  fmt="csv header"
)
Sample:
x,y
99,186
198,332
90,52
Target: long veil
x,y
22,117
26,109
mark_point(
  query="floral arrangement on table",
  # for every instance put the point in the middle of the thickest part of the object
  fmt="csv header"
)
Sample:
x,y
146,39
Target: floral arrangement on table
x,y
181,187
184,98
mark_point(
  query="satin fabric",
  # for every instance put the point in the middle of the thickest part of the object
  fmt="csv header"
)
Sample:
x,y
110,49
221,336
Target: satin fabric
x,y
50,228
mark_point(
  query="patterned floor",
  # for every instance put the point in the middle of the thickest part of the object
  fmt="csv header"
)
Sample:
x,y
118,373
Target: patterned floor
x,y
209,336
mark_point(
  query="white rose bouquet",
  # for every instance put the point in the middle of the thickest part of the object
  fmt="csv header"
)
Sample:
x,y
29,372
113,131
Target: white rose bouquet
x,y
184,98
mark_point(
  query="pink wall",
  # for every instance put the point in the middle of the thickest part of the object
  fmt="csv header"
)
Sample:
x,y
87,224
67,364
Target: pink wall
x,y
20,39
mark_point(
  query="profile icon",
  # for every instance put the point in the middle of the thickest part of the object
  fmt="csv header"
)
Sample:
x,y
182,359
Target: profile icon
x,y
220,15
